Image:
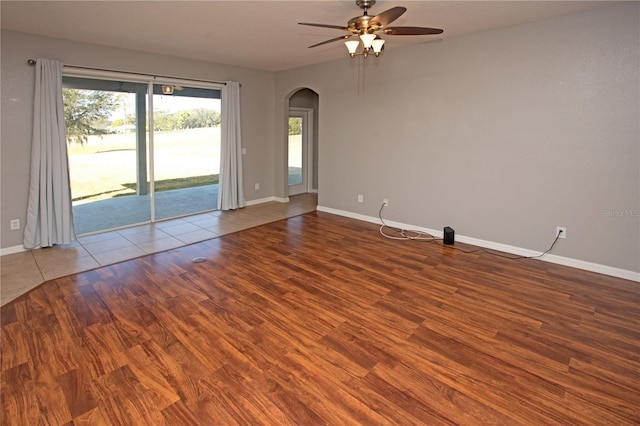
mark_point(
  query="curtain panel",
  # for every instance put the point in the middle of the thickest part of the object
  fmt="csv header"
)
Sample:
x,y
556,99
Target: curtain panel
x,y
49,211
231,186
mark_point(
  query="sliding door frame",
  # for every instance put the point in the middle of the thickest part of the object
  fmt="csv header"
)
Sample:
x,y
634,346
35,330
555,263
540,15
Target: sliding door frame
x,y
150,80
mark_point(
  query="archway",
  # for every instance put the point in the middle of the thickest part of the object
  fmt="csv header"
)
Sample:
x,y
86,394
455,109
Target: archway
x,y
302,142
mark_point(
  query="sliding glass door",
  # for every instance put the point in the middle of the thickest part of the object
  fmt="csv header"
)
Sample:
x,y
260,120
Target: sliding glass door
x,y
186,147
122,171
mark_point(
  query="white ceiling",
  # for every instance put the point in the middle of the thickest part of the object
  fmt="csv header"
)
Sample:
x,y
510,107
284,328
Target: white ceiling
x,y
259,34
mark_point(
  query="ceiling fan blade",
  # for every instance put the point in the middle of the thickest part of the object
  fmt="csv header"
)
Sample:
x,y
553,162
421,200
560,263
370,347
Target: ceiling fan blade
x,y
412,31
336,27
344,37
388,16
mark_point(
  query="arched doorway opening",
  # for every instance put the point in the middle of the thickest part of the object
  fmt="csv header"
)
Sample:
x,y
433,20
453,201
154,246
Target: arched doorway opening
x,y
302,143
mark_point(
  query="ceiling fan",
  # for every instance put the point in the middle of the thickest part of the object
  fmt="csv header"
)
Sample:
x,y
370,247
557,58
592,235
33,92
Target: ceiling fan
x,y
369,28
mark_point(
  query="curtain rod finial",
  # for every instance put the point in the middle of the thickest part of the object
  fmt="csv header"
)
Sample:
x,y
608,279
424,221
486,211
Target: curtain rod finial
x,y
31,62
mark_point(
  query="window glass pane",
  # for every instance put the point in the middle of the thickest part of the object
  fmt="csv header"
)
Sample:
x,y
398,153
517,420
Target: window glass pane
x,y
186,124
106,136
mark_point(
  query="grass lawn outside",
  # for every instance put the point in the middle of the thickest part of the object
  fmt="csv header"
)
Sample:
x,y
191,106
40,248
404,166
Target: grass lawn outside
x,y
105,166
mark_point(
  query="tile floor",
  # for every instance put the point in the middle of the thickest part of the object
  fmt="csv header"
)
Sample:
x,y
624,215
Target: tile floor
x,y
20,272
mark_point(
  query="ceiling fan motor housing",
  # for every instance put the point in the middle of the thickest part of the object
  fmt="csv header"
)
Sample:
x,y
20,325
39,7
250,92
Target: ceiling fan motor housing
x,y
360,25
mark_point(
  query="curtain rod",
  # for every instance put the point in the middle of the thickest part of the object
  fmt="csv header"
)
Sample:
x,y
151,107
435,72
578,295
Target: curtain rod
x,y
33,62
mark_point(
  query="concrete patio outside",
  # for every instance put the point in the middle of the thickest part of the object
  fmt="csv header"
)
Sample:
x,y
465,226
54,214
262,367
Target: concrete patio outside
x,y
130,210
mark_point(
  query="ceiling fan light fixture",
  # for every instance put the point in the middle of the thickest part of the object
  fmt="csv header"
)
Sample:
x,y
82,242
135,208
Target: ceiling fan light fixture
x,y
167,90
377,45
352,47
367,39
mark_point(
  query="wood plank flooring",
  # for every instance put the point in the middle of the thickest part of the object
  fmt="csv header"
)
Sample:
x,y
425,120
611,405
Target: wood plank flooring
x,y
318,320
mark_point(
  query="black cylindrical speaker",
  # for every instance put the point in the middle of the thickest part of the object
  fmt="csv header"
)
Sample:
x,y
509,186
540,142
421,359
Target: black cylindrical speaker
x,y
448,235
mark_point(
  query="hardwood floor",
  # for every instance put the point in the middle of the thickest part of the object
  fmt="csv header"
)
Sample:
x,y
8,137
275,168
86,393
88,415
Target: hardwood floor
x,y
317,319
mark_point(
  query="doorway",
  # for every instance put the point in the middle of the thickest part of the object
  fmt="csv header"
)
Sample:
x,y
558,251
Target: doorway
x,y
301,143
299,165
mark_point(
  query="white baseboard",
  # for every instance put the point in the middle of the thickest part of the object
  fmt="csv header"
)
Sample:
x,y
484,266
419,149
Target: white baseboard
x,y
552,258
266,200
12,250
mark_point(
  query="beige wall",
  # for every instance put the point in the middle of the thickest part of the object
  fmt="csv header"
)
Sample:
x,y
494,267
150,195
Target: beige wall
x,y
17,82
502,135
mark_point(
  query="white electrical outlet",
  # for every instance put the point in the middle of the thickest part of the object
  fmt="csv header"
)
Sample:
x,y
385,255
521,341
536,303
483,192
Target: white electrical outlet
x,y
257,186
14,224
385,202
562,234
360,198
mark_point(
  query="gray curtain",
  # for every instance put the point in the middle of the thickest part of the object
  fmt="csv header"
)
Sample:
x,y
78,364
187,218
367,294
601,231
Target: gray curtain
x,y
49,212
231,187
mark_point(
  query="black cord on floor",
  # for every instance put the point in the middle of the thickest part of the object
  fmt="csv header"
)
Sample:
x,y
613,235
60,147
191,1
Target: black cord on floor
x,y
412,235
